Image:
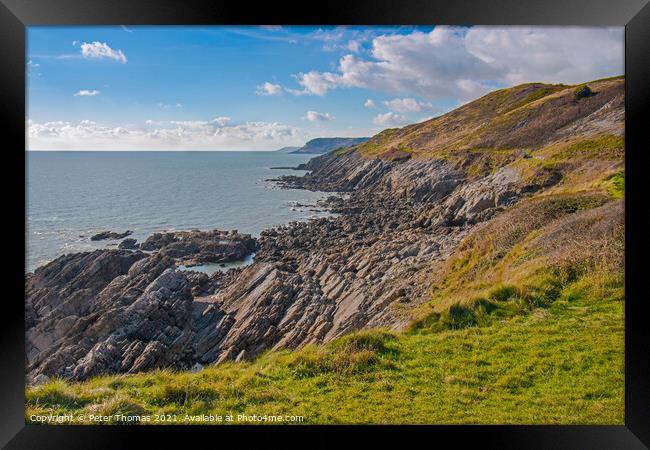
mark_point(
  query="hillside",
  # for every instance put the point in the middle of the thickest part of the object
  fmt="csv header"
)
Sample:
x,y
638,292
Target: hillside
x,y
473,274
528,116
325,145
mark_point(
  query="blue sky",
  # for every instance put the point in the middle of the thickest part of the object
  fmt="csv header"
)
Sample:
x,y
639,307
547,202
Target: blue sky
x,y
261,88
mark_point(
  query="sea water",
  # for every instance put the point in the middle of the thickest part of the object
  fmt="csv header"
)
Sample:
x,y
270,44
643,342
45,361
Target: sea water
x,y
72,195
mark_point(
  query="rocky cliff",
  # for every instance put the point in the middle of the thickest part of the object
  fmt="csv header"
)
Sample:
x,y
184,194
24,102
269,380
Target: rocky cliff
x,y
410,196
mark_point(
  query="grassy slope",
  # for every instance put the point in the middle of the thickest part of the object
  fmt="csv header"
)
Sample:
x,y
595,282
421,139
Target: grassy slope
x,y
529,116
562,364
525,322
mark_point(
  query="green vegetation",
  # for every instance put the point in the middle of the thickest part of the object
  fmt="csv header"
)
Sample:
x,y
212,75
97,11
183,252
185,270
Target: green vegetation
x,y
615,184
525,117
605,147
583,91
540,93
559,364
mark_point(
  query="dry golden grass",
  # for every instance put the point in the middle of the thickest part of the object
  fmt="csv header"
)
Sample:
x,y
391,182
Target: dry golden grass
x,y
527,116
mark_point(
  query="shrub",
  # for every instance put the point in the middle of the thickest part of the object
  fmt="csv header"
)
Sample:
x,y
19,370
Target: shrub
x,y
355,353
503,293
460,316
583,91
55,394
119,404
616,184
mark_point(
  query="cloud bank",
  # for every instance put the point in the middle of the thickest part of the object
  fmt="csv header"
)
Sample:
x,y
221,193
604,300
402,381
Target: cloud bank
x,y
212,134
407,105
464,63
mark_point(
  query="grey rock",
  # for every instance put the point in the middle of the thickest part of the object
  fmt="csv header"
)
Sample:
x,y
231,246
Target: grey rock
x,y
128,244
110,235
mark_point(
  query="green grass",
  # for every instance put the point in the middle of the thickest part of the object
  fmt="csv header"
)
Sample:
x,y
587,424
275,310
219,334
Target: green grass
x,y
615,184
605,147
560,363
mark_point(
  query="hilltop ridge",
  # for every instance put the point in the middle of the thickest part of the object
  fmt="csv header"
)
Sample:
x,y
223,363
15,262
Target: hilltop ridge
x,y
529,116
324,145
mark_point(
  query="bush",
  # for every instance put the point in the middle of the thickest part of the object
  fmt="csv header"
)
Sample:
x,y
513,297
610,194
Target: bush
x,y
55,394
583,91
119,404
356,353
503,293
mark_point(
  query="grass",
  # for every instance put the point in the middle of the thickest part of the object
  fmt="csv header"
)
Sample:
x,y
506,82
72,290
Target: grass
x,y
526,116
558,364
604,147
615,184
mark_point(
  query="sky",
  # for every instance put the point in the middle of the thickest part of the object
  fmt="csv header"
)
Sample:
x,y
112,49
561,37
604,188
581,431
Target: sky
x,y
266,87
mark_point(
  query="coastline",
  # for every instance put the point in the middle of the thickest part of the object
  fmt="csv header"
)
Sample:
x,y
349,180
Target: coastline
x,y
370,266
306,264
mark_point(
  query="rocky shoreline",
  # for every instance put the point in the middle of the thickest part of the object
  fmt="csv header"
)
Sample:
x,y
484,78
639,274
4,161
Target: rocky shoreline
x,y
368,265
128,310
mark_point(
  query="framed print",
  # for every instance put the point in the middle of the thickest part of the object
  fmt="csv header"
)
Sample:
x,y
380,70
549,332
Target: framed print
x,y
379,216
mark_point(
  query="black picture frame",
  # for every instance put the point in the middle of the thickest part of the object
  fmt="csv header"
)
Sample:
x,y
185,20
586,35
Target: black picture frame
x,y
16,15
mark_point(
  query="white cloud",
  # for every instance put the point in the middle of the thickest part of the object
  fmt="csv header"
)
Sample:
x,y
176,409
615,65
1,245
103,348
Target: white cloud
x,y
407,105
316,83
343,38
389,119
221,121
33,69
127,29
354,46
101,50
168,105
549,54
268,89
163,135
369,103
461,63
86,93
314,116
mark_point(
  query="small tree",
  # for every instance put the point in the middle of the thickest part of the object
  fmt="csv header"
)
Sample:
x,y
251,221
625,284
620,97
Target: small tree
x,y
583,91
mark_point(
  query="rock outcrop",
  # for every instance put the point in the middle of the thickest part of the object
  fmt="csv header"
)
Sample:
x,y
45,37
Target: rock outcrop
x,y
110,235
128,244
193,248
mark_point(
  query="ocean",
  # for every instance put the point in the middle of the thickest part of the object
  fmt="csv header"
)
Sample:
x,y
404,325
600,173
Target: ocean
x,y
72,195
